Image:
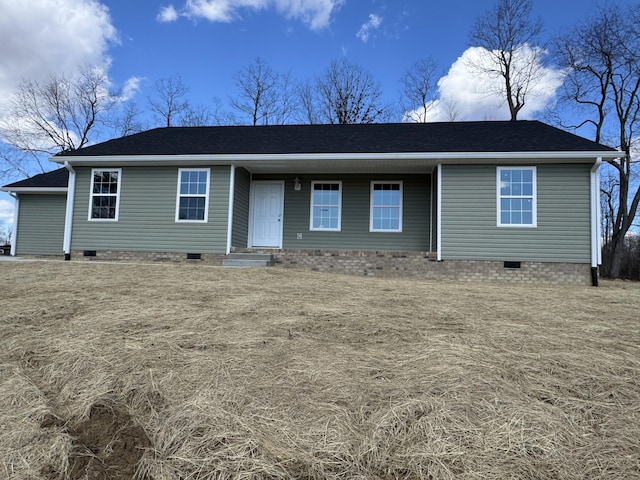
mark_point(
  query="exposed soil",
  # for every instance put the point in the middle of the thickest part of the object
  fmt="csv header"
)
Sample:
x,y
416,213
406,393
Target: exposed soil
x,y
105,446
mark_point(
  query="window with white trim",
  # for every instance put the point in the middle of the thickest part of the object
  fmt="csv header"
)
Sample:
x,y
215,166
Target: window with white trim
x,y
516,193
326,206
386,207
104,201
192,202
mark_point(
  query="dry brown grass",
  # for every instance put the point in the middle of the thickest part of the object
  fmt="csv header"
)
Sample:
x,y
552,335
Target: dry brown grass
x,y
190,372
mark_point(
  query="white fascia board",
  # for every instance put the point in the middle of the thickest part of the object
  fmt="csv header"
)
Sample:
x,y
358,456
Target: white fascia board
x,y
35,190
225,159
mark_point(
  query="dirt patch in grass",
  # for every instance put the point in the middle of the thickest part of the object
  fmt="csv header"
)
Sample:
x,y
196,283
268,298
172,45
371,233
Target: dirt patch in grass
x,y
107,445
189,372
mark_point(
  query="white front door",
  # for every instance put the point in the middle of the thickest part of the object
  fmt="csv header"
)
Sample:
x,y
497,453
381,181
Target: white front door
x,y
266,213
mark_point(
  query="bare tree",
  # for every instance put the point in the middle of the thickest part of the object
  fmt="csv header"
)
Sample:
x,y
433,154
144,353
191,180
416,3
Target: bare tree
x,y
220,115
286,105
508,34
418,89
14,162
197,116
59,114
347,93
602,56
169,102
450,109
125,120
307,111
264,96
6,233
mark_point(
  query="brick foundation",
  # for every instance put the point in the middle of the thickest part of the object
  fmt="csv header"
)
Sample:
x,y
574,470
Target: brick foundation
x,y
381,264
112,255
424,265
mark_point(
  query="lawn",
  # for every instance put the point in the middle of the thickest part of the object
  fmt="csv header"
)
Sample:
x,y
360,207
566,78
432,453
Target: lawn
x,y
175,371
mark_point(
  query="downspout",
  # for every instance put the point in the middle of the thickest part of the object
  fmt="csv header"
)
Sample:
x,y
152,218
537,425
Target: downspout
x,y
68,220
439,213
14,235
232,182
596,252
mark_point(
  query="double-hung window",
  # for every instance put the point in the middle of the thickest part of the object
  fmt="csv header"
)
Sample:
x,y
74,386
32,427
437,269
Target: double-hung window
x,y
386,207
192,202
326,206
104,199
516,194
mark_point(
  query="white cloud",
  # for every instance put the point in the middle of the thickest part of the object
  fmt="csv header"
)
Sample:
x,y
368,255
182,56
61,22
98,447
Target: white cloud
x,y
315,13
6,212
373,23
468,94
130,88
167,14
45,36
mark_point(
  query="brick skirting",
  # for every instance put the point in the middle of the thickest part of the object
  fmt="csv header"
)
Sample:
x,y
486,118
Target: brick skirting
x,y
381,264
424,265
113,255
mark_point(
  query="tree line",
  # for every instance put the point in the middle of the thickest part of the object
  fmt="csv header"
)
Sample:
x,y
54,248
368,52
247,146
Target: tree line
x,y
600,56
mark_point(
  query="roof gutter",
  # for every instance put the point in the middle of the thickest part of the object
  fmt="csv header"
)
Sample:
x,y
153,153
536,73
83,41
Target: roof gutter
x,y
226,158
68,220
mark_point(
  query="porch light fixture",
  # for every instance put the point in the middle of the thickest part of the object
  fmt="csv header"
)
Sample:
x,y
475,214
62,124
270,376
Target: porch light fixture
x,y
296,184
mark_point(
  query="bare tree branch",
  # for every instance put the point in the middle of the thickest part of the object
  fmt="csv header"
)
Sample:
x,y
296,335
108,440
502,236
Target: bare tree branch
x,y
347,93
169,101
602,56
508,34
418,90
264,96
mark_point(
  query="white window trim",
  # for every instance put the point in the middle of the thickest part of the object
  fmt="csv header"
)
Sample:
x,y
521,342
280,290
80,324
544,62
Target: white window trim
x,y
534,202
117,195
383,182
339,228
205,195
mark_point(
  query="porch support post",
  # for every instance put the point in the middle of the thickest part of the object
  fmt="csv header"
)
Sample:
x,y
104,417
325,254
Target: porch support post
x,y
439,212
232,183
16,216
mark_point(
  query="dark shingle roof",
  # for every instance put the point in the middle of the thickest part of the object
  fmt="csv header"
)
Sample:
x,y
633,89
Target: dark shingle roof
x,y
521,136
56,179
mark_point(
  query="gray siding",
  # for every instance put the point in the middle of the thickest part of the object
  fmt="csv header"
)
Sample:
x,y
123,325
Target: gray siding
x,y
41,224
355,214
147,214
469,230
241,196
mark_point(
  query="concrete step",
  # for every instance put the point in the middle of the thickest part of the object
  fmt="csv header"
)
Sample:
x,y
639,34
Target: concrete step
x,y
247,260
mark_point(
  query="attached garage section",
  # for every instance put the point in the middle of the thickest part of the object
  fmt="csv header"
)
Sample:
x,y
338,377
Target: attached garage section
x,y
41,224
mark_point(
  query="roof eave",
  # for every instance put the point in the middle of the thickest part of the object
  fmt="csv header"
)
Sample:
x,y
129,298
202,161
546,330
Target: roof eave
x,y
36,190
443,157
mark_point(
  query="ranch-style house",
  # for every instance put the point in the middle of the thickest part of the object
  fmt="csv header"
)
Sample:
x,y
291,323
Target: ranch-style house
x,y
490,200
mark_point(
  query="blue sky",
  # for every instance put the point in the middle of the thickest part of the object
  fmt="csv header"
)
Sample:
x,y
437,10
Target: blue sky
x,y
207,41
207,53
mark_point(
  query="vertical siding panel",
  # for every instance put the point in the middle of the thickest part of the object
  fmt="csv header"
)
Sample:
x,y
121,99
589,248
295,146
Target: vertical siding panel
x,y
469,230
41,224
147,214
